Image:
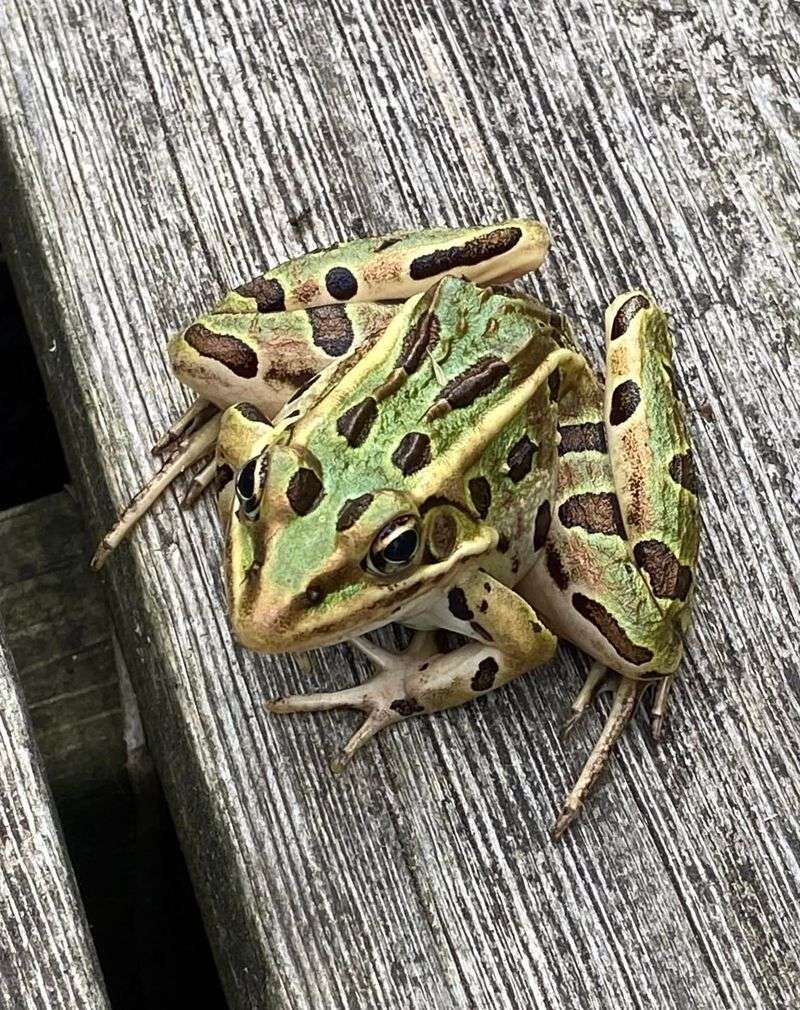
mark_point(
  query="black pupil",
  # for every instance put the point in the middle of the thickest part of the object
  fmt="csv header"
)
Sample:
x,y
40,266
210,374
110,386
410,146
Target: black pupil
x,y
401,548
246,481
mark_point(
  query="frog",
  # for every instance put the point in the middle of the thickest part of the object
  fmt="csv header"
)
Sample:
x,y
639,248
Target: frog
x,y
397,437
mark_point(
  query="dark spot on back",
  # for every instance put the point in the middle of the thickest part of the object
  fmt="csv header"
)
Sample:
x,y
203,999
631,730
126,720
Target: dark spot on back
x,y
520,458
304,491
457,604
503,543
355,423
555,567
542,525
444,531
554,383
480,491
417,341
413,453
583,437
625,314
331,329
682,471
268,294
610,629
484,677
231,352
595,512
474,251
624,401
351,511
341,283
477,380
669,579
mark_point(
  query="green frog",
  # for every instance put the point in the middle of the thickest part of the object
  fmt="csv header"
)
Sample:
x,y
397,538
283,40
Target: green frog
x,y
394,436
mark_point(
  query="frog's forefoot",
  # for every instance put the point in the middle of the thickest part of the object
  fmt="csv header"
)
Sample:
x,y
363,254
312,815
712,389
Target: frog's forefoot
x,y
383,698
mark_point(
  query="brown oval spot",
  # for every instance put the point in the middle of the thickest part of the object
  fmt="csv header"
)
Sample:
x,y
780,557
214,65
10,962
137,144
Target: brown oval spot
x,y
250,412
480,491
457,604
331,329
669,579
477,380
542,525
586,437
474,251
417,341
413,453
355,423
268,293
352,511
485,674
443,535
304,491
231,352
624,401
608,626
555,568
594,512
520,458
682,471
503,543
341,283
625,314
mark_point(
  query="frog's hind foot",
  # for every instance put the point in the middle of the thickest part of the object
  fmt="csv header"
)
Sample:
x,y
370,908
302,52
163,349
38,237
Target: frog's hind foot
x,y
188,451
382,697
596,678
626,696
200,411
658,712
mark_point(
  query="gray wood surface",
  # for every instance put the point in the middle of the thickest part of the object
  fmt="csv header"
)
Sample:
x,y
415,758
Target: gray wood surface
x,y
159,153
47,958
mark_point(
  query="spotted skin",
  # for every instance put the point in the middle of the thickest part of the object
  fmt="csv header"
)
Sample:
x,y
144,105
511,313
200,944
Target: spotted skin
x,y
530,502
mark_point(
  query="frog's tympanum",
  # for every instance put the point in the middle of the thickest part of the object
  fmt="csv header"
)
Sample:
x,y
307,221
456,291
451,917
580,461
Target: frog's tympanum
x,y
392,439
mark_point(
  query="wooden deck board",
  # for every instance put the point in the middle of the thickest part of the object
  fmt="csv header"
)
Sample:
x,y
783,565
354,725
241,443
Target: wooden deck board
x,y
47,958
156,155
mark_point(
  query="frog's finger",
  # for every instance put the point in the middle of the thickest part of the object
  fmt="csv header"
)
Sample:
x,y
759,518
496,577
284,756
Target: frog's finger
x,y
395,266
650,450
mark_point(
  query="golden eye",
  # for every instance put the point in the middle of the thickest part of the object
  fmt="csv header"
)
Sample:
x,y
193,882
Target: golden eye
x,y
249,501
396,546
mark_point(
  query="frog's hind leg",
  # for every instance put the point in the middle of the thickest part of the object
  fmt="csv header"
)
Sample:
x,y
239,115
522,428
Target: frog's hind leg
x,y
198,413
508,640
626,696
189,451
592,685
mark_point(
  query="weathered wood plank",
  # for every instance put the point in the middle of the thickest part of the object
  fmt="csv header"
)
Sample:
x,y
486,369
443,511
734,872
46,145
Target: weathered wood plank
x,y
47,957
157,155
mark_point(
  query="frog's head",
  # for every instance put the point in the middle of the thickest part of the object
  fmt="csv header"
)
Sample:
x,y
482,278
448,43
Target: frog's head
x,y
358,512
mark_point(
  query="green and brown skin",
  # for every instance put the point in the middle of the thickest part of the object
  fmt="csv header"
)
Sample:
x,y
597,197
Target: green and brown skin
x,y
455,465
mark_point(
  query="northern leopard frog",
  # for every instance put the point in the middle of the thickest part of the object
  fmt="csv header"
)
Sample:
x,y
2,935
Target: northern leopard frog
x,y
392,441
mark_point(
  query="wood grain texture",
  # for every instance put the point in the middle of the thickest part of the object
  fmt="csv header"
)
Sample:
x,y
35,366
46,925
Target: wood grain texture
x,y
47,959
157,154
59,634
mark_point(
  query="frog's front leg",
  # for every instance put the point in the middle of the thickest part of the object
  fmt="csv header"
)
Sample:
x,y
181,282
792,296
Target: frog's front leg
x,y
506,640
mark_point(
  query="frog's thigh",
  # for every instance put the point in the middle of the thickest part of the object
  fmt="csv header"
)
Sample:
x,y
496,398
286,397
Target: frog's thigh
x,y
507,640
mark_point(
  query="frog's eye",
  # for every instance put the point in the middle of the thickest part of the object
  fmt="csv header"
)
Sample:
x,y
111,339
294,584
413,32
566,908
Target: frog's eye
x,y
249,501
396,546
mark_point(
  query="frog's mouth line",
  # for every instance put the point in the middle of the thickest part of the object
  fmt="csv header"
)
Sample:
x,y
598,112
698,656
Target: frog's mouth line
x,y
298,626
